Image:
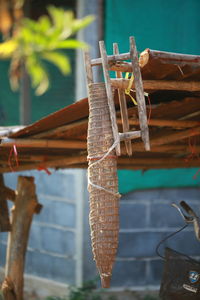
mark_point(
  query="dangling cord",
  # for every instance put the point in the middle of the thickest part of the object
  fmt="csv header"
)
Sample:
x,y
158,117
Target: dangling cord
x,y
166,238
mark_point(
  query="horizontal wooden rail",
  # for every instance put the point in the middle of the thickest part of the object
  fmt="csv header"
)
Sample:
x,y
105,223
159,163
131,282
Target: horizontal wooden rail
x,y
43,143
192,86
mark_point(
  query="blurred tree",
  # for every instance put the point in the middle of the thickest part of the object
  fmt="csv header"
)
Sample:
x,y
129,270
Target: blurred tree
x,y
32,42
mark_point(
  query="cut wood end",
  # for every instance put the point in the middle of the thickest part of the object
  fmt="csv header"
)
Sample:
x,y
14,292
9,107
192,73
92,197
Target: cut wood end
x,y
105,281
144,58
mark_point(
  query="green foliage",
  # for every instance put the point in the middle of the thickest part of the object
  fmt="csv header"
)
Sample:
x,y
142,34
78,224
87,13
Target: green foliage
x,y
43,40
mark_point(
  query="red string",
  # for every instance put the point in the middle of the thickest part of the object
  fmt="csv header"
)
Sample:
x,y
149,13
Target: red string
x,y
43,168
150,109
193,152
13,150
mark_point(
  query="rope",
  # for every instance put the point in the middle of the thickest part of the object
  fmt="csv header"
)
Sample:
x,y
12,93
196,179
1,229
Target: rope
x,y
116,142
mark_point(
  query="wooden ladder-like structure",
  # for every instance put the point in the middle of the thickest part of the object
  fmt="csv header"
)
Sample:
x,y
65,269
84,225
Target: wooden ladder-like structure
x,y
118,62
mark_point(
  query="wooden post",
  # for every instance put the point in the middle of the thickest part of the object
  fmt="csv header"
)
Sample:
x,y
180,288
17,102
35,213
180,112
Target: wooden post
x,y
123,105
139,94
4,214
109,92
22,213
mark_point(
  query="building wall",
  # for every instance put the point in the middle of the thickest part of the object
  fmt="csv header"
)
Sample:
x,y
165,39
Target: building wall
x,y
146,217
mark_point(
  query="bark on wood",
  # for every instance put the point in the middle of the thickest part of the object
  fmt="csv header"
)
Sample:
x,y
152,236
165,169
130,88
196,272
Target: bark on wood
x,y
123,106
139,94
109,95
168,57
22,213
4,213
156,85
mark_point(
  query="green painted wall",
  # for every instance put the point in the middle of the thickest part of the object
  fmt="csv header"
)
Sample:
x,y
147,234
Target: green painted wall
x,y
171,25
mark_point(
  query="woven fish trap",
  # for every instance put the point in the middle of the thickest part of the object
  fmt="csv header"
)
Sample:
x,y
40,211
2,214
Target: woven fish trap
x,y
102,183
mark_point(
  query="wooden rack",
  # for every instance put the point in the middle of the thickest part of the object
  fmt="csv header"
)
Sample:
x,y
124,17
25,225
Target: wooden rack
x,y
118,62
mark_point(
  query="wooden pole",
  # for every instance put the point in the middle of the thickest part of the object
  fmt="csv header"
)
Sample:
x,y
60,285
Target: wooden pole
x,y
44,143
139,94
25,206
4,213
156,85
109,92
149,55
165,123
123,106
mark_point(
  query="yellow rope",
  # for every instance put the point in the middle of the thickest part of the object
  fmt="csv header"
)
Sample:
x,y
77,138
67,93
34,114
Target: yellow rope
x,y
129,90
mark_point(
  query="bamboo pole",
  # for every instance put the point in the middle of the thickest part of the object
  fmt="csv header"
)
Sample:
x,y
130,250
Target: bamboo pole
x,y
22,213
123,106
72,160
165,123
152,85
149,55
74,126
44,143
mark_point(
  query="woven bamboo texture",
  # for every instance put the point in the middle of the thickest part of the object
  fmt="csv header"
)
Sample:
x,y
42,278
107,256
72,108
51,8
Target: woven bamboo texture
x,y
103,183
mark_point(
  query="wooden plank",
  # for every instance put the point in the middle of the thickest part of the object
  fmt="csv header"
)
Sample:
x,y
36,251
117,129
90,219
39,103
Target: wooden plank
x,y
109,96
156,85
22,213
44,143
123,106
111,58
139,95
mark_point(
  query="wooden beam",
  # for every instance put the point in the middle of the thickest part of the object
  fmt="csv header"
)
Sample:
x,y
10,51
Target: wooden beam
x,y
22,213
4,213
165,123
73,160
139,94
153,85
149,55
44,143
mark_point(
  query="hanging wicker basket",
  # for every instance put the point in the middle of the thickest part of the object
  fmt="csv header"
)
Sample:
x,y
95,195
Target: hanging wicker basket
x,y
103,183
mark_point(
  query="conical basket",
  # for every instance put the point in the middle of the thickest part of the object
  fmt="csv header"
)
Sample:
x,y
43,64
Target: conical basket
x,y
102,183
